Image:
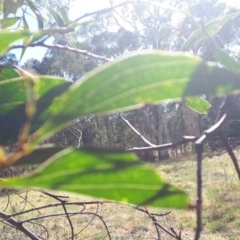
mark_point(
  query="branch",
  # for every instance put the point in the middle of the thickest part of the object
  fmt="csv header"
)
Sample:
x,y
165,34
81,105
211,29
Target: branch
x,y
215,129
212,130
231,153
138,133
63,202
57,205
105,10
78,137
62,47
199,150
185,139
18,225
156,223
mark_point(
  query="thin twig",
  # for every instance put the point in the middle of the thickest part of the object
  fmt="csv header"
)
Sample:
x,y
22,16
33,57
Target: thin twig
x,y
102,11
48,216
63,202
41,225
57,205
103,222
156,223
62,47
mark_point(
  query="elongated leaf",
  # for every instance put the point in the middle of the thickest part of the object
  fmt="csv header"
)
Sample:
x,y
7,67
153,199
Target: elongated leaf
x,y
223,57
210,28
8,73
198,104
165,32
27,40
8,37
39,155
134,81
9,22
113,175
56,17
10,6
13,100
37,11
64,13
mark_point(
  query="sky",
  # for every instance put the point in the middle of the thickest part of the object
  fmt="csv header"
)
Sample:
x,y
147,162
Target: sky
x,y
81,7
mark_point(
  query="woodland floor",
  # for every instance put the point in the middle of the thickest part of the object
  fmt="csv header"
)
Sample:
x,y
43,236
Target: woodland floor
x,y
221,212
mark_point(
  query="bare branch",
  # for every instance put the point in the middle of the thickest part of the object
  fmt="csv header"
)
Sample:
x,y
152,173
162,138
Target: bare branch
x,y
105,10
59,198
184,140
231,153
18,225
156,223
78,137
199,150
138,133
62,47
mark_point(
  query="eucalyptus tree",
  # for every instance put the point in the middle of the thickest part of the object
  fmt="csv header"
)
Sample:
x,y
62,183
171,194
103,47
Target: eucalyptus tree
x,y
135,27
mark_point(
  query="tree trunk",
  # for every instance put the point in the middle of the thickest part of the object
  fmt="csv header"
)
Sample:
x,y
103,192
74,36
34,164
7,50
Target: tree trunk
x,y
158,113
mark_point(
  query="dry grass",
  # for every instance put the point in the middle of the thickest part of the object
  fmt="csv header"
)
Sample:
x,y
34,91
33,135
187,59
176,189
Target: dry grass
x,y
221,213
221,195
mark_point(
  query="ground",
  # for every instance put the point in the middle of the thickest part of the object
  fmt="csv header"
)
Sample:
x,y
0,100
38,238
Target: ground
x,y
221,212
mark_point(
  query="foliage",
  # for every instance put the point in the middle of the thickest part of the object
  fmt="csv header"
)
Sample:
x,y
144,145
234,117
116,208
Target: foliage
x,y
46,104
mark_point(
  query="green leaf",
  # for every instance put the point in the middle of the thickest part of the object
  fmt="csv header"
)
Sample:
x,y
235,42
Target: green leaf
x,y
13,100
8,37
135,81
9,22
39,155
198,104
56,17
27,40
37,11
110,174
165,32
8,73
223,57
211,28
63,12
11,6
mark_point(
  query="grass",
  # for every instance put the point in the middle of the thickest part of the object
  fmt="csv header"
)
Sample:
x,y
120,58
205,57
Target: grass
x,y
221,211
221,195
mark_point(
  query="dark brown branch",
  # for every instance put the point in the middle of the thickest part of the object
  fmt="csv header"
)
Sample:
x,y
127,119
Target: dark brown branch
x,y
63,202
18,225
168,232
231,153
199,150
103,222
57,205
45,229
156,223
69,220
89,222
48,216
